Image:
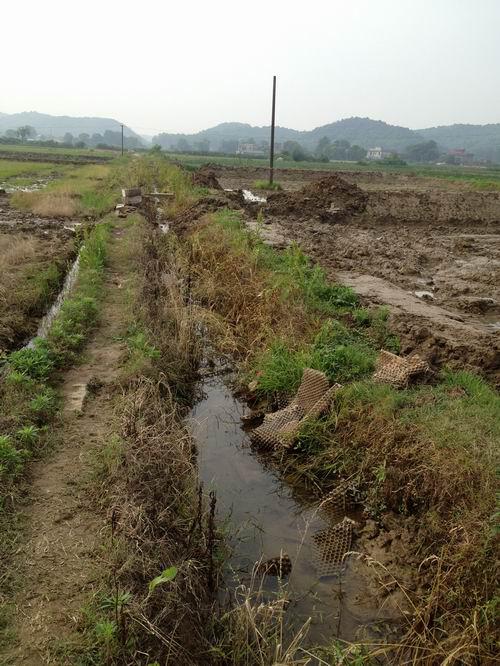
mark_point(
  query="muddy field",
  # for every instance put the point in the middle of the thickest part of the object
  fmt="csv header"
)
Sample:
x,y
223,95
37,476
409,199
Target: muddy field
x,y
429,249
34,257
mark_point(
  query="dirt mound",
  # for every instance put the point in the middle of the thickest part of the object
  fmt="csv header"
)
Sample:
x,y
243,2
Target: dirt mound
x,y
205,177
188,218
331,199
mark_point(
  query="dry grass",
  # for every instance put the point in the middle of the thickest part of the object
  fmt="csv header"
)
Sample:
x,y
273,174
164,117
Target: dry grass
x,y
30,275
55,205
158,521
254,630
90,190
14,251
428,454
228,282
46,203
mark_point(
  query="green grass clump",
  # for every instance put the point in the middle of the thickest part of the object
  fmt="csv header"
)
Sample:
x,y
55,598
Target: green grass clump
x,y
342,354
266,185
290,270
29,171
36,362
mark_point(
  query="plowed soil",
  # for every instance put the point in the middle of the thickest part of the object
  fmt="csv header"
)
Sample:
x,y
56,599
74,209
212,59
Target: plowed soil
x,y
430,253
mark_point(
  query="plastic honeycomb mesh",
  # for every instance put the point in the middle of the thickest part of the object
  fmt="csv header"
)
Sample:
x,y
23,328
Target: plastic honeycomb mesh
x,y
398,371
312,399
330,547
336,503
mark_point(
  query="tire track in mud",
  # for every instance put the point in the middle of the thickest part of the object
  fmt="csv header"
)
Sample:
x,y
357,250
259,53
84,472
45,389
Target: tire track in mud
x,y
59,555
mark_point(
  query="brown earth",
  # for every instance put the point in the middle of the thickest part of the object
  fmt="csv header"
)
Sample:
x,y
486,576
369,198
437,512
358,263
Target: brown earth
x,y
59,558
236,178
28,248
55,158
431,255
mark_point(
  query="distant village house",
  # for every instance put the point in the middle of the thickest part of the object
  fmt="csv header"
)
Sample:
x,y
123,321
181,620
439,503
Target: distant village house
x,y
245,148
378,153
460,156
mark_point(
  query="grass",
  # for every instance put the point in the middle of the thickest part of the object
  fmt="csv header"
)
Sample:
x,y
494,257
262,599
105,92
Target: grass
x,y
32,273
281,313
26,172
266,185
427,454
27,398
85,191
158,585
69,152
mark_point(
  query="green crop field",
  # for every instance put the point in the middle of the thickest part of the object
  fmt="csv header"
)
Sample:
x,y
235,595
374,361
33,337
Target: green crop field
x,y
27,148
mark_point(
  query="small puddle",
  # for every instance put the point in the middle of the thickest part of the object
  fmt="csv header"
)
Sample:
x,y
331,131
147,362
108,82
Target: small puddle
x,y
252,198
32,187
268,516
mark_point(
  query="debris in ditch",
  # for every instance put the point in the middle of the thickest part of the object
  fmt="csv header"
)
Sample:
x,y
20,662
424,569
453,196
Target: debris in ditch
x,y
280,566
336,503
398,371
132,196
330,547
313,399
426,295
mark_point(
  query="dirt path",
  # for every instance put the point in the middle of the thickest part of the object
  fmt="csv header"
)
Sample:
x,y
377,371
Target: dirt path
x,y
59,556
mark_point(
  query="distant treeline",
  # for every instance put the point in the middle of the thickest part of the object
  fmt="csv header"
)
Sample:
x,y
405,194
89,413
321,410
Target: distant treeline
x,y
325,151
108,139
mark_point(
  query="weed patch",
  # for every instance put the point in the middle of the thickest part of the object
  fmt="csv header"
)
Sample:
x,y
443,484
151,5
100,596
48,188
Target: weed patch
x,y
27,399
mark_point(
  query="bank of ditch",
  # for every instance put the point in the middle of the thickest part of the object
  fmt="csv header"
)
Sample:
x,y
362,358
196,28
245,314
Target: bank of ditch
x,y
422,459
419,461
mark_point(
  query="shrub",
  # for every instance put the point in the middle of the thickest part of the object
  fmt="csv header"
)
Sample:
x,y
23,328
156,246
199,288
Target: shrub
x,y
44,405
11,459
36,362
28,434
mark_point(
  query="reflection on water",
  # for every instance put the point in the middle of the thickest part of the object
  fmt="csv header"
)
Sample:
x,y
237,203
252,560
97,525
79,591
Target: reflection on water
x,y
270,516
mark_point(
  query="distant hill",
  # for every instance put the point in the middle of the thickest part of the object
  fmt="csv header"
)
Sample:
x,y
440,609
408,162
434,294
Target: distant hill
x,y
57,126
366,133
482,140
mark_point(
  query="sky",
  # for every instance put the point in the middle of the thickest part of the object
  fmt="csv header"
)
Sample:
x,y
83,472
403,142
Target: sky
x,y
185,66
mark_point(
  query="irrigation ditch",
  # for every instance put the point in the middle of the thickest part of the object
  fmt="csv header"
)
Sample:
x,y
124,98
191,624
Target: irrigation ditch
x,y
197,543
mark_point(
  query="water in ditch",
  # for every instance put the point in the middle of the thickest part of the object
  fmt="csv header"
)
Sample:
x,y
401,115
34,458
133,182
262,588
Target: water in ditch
x,y
268,516
48,318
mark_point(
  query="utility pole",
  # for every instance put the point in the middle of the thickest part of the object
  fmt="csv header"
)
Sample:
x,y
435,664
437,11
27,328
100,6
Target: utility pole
x,y
271,161
122,140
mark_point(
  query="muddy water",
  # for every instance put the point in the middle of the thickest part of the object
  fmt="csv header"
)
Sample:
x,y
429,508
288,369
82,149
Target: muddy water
x,y
268,516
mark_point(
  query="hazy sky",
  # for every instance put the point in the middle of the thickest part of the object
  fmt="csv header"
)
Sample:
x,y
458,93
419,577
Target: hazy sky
x,y
184,66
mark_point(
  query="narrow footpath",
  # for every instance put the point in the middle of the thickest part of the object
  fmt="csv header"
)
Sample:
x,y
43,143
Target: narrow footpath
x,y
58,561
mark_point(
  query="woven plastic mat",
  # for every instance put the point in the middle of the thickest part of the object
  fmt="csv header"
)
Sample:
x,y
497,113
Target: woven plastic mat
x,y
398,371
313,398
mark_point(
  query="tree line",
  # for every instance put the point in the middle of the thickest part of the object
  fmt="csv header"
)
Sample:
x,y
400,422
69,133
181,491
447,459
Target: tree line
x,y
108,139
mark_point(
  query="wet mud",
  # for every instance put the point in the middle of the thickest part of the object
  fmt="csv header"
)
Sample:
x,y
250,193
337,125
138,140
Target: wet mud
x,y
432,256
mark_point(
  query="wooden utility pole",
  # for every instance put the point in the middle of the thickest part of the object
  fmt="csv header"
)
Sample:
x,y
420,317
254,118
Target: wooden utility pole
x,y
271,160
122,140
